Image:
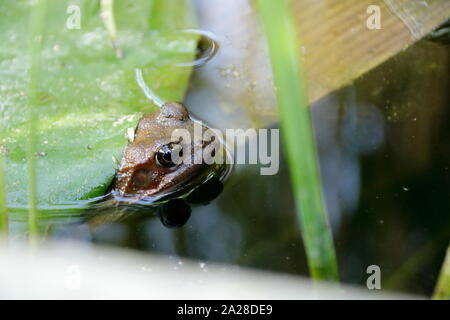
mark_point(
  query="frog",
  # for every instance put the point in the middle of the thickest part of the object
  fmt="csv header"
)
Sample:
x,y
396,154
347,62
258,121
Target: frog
x,y
148,180
147,170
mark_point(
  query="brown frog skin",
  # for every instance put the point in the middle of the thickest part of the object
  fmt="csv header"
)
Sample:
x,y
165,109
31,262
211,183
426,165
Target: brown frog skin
x,y
144,171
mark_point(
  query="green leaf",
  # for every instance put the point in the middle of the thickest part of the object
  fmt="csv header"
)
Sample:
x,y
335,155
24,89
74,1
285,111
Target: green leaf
x,y
87,97
298,136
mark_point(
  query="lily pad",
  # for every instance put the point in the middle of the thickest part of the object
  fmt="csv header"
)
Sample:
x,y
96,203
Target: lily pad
x,y
88,98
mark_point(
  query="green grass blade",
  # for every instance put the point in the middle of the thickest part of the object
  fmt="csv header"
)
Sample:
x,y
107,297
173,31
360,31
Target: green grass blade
x,y
3,206
36,38
298,137
442,290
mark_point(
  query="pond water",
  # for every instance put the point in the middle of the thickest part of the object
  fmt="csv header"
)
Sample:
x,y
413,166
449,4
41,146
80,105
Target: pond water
x,y
385,164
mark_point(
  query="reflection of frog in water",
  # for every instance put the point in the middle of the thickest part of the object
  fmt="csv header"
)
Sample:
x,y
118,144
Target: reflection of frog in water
x,y
147,172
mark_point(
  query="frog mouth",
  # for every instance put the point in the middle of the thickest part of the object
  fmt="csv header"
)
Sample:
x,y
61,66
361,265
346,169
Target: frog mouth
x,y
181,189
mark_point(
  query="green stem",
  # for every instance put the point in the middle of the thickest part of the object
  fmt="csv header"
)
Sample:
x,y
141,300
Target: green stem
x,y
410,266
107,13
36,31
3,206
442,290
298,137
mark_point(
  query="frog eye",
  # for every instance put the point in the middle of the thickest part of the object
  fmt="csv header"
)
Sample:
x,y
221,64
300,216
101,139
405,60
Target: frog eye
x,y
163,156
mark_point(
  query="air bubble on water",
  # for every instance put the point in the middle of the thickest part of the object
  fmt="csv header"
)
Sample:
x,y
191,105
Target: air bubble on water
x,y
229,71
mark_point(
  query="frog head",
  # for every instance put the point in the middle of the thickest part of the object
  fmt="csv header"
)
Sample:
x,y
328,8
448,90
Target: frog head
x,y
148,169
